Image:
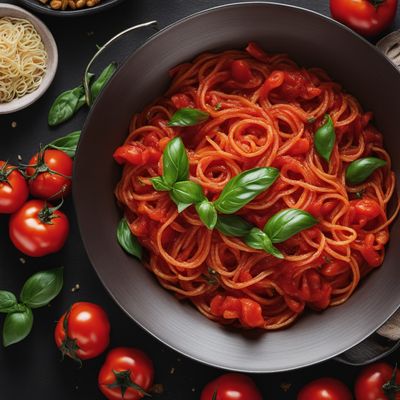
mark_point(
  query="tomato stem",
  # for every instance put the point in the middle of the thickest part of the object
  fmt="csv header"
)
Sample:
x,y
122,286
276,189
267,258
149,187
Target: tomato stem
x,y
390,388
46,214
123,381
214,395
5,171
69,346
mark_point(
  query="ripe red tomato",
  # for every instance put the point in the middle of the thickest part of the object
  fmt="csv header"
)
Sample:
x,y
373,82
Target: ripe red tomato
x,y
231,387
126,374
325,389
50,173
241,71
136,154
372,381
13,189
38,229
367,17
83,332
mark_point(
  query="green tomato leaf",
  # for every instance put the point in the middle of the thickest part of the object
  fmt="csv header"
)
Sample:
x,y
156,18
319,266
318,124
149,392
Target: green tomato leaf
x,y
67,144
207,213
360,170
42,287
233,225
17,326
187,192
65,106
175,162
160,185
8,301
99,84
257,239
287,223
188,117
128,241
244,187
324,138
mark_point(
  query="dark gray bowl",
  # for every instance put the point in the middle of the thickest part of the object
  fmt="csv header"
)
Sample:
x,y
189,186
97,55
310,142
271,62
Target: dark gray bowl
x,y
36,5
312,40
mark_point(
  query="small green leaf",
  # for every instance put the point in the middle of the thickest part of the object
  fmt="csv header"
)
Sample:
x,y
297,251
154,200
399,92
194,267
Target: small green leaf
x,y
17,326
82,99
244,187
182,206
257,239
175,162
287,223
99,84
218,107
187,192
233,225
42,287
188,117
8,301
67,144
207,213
360,170
65,106
128,241
324,138
160,185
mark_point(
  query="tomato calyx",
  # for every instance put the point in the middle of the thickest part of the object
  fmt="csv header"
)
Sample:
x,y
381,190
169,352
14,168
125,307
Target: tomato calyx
x,y
69,346
123,381
376,3
390,388
47,214
5,172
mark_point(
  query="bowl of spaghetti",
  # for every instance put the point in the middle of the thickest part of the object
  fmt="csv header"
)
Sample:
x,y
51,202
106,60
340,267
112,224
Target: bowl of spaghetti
x,y
258,187
29,58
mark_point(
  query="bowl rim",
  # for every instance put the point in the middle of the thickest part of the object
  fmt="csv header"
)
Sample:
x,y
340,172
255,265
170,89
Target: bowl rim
x,y
76,200
25,101
42,8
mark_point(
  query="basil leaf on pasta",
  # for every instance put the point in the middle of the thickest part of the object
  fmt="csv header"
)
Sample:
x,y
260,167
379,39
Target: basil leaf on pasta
x,y
233,225
175,162
188,117
259,240
360,170
159,184
128,241
207,213
187,192
324,138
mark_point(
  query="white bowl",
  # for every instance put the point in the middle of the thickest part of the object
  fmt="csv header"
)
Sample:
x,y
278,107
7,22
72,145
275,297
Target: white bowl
x,y
9,10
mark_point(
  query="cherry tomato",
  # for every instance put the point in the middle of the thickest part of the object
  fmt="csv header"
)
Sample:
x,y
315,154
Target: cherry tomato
x,y
126,374
367,17
372,380
325,389
241,71
50,173
38,229
136,154
13,189
83,332
231,387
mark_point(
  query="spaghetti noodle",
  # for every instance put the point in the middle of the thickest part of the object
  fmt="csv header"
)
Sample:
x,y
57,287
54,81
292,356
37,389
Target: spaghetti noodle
x,y
264,111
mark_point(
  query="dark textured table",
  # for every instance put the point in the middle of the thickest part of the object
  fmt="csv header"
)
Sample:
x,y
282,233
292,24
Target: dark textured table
x,y
33,369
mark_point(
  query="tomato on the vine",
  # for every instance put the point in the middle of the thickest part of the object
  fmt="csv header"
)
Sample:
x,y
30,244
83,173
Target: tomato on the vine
x,y
378,381
13,188
38,229
231,387
367,17
127,373
325,389
49,174
83,332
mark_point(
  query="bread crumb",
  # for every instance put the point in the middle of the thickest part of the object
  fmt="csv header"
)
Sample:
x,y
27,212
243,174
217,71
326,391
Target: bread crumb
x,y
172,370
19,157
285,386
157,388
193,389
22,260
13,124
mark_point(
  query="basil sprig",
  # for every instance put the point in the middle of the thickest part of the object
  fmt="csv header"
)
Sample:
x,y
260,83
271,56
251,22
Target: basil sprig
x,y
324,138
36,292
244,187
360,170
99,84
67,144
186,193
207,213
127,240
257,239
188,117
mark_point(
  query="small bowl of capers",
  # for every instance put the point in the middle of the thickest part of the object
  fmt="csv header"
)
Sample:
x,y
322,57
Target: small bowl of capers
x,y
69,8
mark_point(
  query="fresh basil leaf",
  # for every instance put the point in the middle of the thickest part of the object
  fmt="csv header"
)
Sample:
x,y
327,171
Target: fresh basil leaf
x,y
188,117
259,240
160,185
42,287
324,138
82,99
17,326
99,84
207,213
360,170
182,206
287,223
128,241
244,187
187,192
67,143
233,225
8,301
65,106
175,162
